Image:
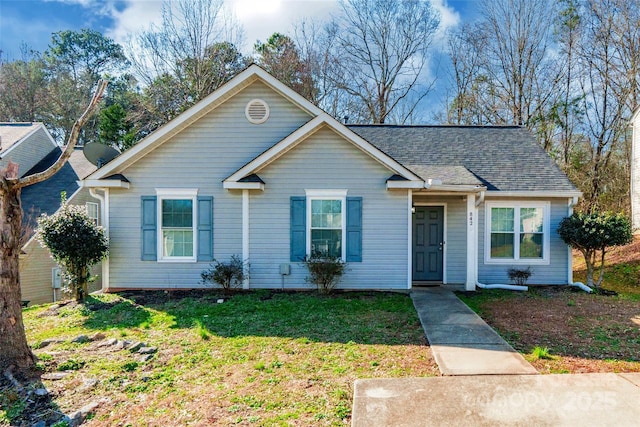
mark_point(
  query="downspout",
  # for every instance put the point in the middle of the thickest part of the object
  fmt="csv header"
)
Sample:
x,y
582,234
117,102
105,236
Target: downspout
x,y
104,213
497,285
572,202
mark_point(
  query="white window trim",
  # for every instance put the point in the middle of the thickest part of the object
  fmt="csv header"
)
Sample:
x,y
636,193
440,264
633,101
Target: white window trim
x,y
327,195
97,210
177,193
546,233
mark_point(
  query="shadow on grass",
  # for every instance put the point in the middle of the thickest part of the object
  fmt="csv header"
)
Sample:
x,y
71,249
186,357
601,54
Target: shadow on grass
x,y
120,313
366,318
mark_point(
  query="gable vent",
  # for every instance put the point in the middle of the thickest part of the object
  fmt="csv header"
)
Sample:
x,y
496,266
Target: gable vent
x,y
257,111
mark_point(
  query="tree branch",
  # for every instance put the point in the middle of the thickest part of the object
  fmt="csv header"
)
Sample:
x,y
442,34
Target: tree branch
x,y
71,143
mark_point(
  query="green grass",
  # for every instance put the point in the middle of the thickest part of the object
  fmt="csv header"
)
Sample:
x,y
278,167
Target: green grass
x,y
541,353
259,358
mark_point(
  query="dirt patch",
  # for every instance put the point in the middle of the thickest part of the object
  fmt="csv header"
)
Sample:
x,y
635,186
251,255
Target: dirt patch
x,y
587,333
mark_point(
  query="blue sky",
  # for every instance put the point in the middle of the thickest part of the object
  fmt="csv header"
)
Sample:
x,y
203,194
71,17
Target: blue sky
x,y
33,21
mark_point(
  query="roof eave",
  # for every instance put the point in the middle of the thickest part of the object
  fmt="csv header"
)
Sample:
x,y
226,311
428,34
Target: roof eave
x,y
534,193
231,185
103,183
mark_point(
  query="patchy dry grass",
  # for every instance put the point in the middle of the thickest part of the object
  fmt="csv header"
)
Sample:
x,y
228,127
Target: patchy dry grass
x,y
260,358
581,332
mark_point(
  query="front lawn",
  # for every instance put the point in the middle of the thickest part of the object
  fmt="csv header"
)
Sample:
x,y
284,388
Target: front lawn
x,y
258,358
581,332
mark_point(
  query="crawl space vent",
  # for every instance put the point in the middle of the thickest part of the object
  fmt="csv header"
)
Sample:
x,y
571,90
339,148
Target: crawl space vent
x,y
257,111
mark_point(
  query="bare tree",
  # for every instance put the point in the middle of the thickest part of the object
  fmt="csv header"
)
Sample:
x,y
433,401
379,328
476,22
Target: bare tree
x,y
181,46
16,355
607,89
518,32
471,104
379,55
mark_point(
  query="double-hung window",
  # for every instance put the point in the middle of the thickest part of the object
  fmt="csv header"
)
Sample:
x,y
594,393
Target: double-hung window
x,y
517,233
326,220
177,220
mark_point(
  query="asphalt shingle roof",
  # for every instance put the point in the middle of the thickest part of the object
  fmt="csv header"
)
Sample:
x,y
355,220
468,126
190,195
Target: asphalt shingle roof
x,y
11,132
503,158
44,197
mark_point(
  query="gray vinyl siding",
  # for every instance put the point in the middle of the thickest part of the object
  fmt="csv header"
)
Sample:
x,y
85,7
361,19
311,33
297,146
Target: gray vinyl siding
x,y
326,161
555,273
201,157
456,234
29,151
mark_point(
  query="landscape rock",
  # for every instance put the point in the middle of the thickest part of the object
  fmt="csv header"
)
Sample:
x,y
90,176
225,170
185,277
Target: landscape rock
x,y
148,350
108,343
80,339
49,341
79,416
98,336
126,343
41,392
145,358
54,376
136,346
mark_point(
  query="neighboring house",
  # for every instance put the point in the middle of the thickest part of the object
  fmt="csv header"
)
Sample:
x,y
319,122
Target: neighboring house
x,y
635,171
31,146
256,170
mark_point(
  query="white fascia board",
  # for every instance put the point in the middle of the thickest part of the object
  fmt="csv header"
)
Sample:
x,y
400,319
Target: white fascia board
x,y
243,185
307,130
537,194
404,185
103,183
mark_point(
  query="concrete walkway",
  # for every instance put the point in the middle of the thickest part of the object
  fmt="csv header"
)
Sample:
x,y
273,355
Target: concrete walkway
x,y
499,400
461,342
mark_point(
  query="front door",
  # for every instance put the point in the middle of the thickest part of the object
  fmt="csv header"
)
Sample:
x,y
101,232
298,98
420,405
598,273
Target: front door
x,y
428,243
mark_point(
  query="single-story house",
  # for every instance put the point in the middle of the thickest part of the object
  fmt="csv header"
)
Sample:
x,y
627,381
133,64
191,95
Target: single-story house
x,y
256,170
31,146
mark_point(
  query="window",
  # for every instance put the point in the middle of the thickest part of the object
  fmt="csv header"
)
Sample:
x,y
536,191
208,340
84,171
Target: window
x,y
326,227
325,221
517,232
176,234
92,212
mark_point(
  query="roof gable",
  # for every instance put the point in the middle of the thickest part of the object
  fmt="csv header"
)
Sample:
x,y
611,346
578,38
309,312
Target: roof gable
x,y
252,74
300,135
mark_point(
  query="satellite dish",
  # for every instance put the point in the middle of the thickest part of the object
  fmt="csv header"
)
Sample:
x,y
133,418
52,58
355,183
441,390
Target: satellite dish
x,y
99,154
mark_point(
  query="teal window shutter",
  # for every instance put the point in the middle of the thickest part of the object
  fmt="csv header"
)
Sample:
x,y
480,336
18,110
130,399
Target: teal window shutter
x,y
298,228
354,229
205,228
149,228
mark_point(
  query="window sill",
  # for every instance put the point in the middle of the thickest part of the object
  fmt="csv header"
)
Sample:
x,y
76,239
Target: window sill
x,y
177,260
524,261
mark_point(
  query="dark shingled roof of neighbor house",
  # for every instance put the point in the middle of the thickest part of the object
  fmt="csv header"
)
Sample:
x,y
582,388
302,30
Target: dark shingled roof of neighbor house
x,y
503,158
44,197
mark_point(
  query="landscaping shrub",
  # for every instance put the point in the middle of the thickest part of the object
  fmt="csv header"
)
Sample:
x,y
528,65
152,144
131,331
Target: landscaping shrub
x,y
592,234
229,275
324,272
519,276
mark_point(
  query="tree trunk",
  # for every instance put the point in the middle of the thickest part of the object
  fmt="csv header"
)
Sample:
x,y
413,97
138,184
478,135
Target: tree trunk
x,y
14,351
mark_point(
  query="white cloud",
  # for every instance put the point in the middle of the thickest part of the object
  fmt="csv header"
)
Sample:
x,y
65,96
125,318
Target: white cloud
x,y
449,18
134,17
261,18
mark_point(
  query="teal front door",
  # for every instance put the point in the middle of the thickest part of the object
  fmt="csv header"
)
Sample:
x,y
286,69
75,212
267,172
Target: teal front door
x,y
428,243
